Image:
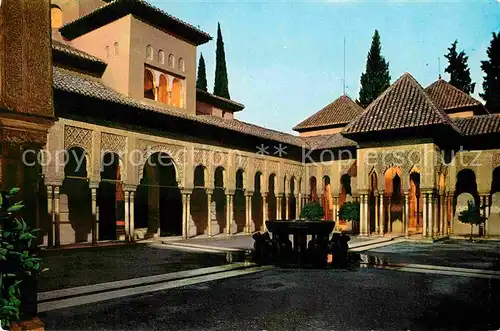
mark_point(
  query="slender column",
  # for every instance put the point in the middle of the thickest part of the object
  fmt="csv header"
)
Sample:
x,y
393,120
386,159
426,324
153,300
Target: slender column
x,y
231,213
377,218
450,206
57,237
287,207
264,211
486,212
424,216
209,212
336,208
406,213
248,214
184,215
127,215
228,214
95,225
430,212
188,214
435,220
50,211
365,225
381,213
278,208
389,220
361,216
297,206
441,215
131,225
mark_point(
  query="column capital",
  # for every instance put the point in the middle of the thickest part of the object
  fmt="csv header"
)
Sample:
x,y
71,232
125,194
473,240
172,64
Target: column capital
x,y
249,193
484,193
187,191
93,185
209,191
129,188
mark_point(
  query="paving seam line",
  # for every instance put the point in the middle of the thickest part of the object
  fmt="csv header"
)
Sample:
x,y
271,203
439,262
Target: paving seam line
x,y
113,287
217,248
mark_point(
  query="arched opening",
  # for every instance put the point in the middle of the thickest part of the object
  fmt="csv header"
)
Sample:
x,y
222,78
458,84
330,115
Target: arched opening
x,y
493,225
149,85
271,198
372,201
161,57
199,202
239,201
344,196
181,65
393,194
177,93
56,17
292,206
111,200
149,52
465,191
163,89
158,204
415,204
257,202
313,190
220,197
327,199
171,60
75,215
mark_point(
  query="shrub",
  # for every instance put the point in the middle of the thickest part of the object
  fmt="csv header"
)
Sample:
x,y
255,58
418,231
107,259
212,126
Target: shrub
x,y
472,215
312,211
18,261
349,211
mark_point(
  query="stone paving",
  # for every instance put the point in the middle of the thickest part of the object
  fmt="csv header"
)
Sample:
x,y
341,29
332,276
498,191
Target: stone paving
x,y
86,266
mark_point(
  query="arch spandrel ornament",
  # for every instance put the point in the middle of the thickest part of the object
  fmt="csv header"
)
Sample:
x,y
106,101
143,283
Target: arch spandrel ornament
x,y
259,165
78,137
495,160
177,153
113,143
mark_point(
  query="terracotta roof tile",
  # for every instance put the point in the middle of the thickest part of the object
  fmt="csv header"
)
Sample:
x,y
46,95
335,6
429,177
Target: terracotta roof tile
x,y
70,81
403,105
341,111
328,141
449,97
478,125
69,50
223,103
139,8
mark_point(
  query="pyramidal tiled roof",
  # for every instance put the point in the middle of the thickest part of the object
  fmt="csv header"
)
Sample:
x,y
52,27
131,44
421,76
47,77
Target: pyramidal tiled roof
x,y
478,125
449,97
341,111
402,105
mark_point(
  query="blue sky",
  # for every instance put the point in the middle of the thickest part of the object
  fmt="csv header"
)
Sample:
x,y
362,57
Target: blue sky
x,y
285,59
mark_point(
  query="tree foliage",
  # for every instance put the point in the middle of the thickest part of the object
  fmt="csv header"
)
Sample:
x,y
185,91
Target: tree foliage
x,y
376,77
221,84
349,211
312,211
201,81
459,69
472,215
491,82
18,258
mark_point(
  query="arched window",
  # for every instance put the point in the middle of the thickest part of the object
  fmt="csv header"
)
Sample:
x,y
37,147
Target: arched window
x,y
56,17
115,47
181,64
149,52
163,89
149,88
171,60
177,93
106,53
161,57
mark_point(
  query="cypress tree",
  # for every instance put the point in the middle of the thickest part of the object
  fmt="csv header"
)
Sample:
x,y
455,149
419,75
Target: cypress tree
x,y
491,82
201,81
376,77
459,70
221,87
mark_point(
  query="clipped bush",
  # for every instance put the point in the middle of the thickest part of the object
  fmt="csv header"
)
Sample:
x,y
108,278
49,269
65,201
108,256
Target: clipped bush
x,y
312,211
349,211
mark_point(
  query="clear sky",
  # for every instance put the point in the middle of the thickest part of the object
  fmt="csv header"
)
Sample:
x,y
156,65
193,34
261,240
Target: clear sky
x,y
285,59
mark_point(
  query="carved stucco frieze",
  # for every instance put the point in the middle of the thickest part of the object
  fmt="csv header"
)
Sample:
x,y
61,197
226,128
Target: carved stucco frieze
x,y
273,167
176,152
259,165
113,143
242,162
78,137
495,160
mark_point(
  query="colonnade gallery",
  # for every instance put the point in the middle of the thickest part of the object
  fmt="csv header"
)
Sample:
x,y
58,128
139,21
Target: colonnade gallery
x,y
129,148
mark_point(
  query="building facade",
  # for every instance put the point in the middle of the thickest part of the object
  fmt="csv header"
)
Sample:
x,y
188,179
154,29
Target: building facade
x,y
128,148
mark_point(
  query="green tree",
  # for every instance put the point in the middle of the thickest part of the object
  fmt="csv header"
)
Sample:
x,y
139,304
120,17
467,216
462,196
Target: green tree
x,y
472,215
312,211
459,69
491,82
221,85
201,81
376,77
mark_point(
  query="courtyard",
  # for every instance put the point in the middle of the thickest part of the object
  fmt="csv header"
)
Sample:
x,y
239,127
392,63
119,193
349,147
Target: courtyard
x,y
362,297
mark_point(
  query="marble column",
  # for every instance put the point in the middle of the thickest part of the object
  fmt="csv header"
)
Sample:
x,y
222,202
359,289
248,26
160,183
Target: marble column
x,y
95,223
377,218
297,206
188,215
184,216
57,237
424,216
126,195
248,213
406,213
131,225
209,212
265,207
451,211
442,222
435,215
487,211
228,213
287,207
361,216
381,213
365,223
389,216
50,211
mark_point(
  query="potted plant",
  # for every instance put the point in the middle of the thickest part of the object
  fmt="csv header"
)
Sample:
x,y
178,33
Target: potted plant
x,y
349,211
312,211
19,265
472,215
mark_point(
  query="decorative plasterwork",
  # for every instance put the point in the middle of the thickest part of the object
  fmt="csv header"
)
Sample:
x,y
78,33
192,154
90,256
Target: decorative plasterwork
x,y
176,152
242,162
293,170
259,165
78,137
273,167
113,143
495,160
